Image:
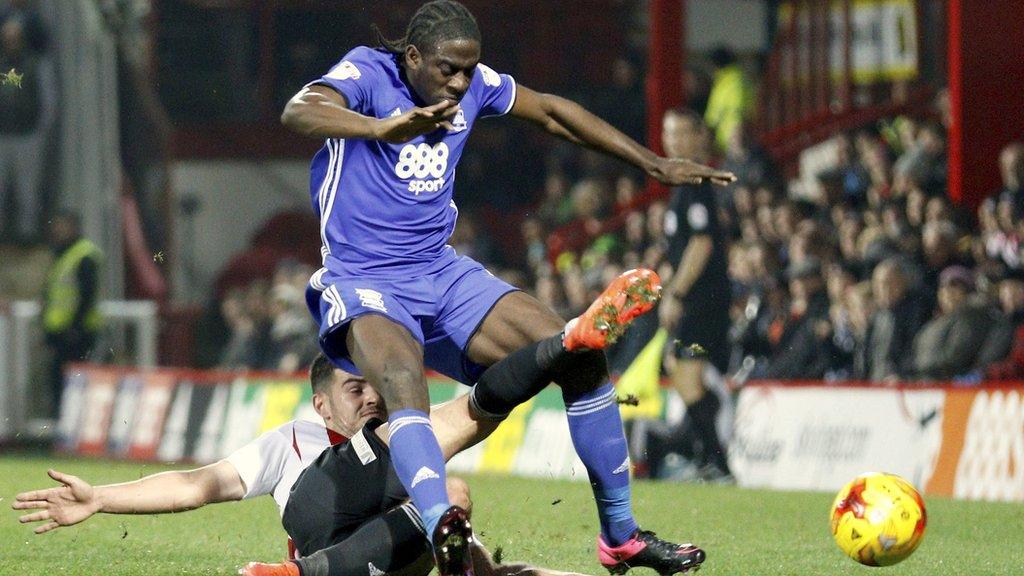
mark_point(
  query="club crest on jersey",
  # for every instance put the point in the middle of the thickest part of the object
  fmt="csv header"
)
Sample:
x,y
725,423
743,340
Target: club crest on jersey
x,y
458,123
371,299
345,71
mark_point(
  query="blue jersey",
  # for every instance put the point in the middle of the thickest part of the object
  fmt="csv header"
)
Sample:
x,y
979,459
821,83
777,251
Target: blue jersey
x,y
387,208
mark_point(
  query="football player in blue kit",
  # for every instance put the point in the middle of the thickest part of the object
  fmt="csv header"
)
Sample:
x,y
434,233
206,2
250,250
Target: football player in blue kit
x,y
393,296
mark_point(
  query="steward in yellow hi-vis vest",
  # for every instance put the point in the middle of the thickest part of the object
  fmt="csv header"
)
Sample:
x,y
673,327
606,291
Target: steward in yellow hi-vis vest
x,y
732,98
73,274
71,317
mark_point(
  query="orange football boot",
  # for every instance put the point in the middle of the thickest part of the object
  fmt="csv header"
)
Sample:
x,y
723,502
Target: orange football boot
x,y
260,569
633,293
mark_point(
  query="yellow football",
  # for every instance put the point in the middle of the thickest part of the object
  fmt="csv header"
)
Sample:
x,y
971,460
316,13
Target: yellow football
x,y
878,519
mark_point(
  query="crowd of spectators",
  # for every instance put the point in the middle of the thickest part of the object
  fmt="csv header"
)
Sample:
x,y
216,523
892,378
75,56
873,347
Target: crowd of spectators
x,y
268,325
869,273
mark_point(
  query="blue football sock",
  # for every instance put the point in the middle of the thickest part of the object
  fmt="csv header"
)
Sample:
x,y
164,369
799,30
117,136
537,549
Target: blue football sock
x,y
418,460
596,430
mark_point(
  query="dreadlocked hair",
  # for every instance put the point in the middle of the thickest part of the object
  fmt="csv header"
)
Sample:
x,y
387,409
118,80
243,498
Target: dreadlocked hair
x,y
433,23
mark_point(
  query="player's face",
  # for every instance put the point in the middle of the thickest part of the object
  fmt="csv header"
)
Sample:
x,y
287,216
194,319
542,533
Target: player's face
x,y
443,72
349,402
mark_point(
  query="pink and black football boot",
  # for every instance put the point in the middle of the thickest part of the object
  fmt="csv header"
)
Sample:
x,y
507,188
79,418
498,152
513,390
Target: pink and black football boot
x,y
646,550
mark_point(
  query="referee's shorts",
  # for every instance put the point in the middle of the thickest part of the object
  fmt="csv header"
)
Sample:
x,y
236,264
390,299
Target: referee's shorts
x,y
705,322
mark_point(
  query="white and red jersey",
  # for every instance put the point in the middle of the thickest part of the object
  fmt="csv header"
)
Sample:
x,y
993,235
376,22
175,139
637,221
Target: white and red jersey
x,y
271,463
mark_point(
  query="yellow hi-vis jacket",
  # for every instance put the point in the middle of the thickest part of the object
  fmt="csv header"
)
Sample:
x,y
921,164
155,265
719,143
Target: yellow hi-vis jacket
x,y
62,292
731,102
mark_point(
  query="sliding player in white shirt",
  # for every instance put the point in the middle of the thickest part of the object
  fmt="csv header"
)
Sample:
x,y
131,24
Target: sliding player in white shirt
x,y
390,541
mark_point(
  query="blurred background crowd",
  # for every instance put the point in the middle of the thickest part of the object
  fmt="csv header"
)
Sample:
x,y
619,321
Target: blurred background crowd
x,y
872,274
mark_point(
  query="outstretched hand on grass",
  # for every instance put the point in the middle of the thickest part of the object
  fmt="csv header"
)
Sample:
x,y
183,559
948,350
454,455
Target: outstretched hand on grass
x,y
64,505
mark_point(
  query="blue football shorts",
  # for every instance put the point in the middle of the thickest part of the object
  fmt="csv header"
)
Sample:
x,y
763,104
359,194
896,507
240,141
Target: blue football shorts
x,y
442,311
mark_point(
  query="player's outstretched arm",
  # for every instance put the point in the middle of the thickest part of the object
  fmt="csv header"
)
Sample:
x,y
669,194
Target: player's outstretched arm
x,y
318,111
576,124
76,500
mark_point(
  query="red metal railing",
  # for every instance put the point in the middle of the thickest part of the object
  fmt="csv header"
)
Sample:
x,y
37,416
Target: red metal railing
x,y
809,92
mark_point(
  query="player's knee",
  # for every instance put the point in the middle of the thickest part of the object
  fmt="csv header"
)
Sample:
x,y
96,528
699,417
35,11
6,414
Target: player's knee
x,y
587,371
458,493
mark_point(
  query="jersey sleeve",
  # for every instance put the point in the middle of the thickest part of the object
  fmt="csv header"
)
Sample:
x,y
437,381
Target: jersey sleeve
x,y
354,77
261,463
497,92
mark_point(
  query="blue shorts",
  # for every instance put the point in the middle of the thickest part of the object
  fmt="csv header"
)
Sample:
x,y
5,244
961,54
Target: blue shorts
x,y
442,311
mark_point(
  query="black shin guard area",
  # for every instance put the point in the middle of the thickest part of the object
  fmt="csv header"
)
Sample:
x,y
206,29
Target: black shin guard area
x,y
581,373
509,383
518,377
527,371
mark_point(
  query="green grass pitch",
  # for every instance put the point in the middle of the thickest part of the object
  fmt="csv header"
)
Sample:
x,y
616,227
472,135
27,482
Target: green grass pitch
x,y
545,522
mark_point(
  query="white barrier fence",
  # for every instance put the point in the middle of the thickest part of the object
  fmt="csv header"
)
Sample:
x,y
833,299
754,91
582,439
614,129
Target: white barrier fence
x,y
963,442
949,441
130,335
